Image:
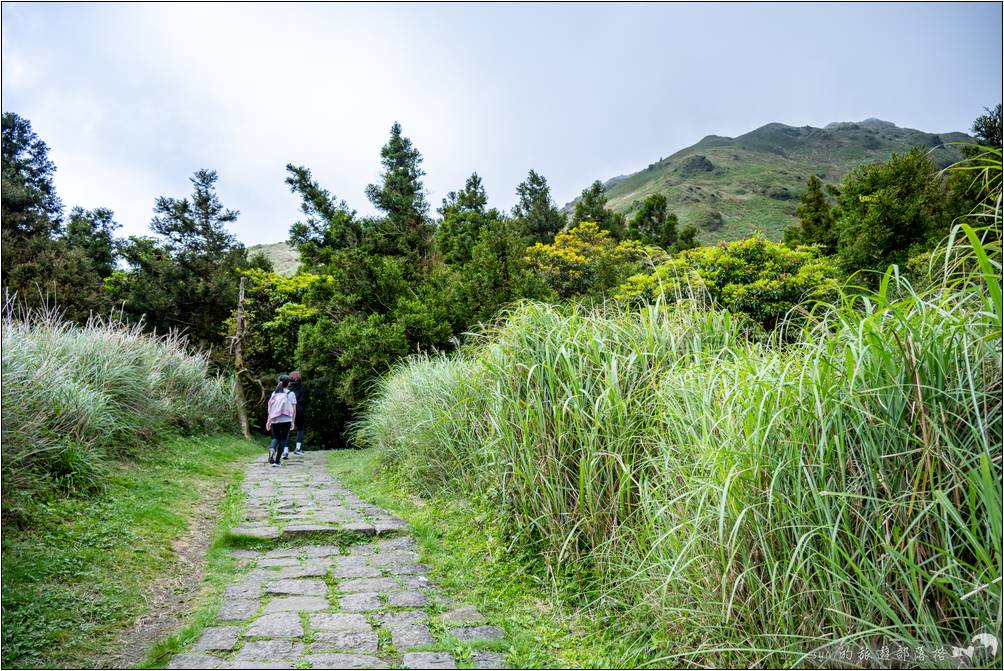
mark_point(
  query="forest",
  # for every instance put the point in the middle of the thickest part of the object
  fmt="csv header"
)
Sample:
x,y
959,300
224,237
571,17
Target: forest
x,y
743,453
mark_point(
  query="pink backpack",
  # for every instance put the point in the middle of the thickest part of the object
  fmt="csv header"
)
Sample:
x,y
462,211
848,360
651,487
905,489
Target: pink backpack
x,y
279,405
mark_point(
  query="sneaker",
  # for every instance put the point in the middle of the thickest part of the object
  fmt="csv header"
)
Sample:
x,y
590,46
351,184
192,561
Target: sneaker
x,y
275,465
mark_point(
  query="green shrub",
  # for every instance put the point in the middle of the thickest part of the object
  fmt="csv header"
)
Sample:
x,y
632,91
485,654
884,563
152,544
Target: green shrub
x,y
755,277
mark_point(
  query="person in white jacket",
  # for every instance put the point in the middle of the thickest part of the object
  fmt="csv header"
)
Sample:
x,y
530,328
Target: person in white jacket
x,y
281,419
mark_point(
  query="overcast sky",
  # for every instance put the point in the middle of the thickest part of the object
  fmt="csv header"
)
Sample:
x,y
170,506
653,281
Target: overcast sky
x,y
133,98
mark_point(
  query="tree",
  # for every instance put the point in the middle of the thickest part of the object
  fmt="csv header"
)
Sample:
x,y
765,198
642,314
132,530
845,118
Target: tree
x,y
652,225
686,240
535,211
887,212
93,232
463,215
592,206
190,279
987,128
38,265
196,226
816,224
401,197
30,204
329,225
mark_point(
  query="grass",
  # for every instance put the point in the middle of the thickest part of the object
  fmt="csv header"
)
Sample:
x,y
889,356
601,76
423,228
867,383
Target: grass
x,y
473,560
75,579
727,500
75,397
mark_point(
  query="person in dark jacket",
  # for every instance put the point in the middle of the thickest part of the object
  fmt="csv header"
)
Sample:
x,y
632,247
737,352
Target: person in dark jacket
x,y
296,386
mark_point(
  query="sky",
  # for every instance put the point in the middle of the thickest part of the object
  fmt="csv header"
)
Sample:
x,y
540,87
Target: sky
x,y
133,98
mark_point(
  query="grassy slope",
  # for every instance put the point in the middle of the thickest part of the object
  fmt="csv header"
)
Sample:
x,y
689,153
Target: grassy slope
x,y
75,582
284,257
768,160
471,559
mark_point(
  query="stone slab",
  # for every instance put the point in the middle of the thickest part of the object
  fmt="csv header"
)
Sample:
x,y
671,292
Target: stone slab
x,y
407,599
234,609
274,650
402,617
349,641
339,622
269,562
295,530
358,585
406,636
195,662
400,543
414,582
337,661
262,533
489,660
462,615
276,625
478,633
312,569
298,587
356,571
428,660
318,551
217,638
296,604
360,603
389,527
246,589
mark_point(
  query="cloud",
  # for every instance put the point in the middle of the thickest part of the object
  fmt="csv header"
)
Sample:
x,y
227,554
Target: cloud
x,y
132,98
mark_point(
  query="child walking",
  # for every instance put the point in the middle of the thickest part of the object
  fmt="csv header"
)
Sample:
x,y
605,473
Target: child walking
x,y
281,418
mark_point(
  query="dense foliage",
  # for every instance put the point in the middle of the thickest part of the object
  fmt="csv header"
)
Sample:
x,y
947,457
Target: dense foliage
x,y
43,261
755,277
588,261
374,289
750,504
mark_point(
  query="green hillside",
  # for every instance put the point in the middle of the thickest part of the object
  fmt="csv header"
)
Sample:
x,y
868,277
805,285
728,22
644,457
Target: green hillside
x,y
284,258
732,187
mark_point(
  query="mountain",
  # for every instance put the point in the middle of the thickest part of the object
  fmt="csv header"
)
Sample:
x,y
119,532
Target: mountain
x,y
732,187
283,256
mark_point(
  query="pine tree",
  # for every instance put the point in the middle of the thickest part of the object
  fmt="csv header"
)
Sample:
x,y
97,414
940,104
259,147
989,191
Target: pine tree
x,y
652,224
330,224
93,232
816,219
39,265
463,216
401,197
535,211
30,204
190,281
592,206
196,226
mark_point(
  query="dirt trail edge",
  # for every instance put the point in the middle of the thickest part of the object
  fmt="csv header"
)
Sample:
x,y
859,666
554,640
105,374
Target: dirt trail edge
x,y
331,582
169,599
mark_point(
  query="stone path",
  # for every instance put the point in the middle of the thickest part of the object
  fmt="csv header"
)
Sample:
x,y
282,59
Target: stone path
x,y
332,583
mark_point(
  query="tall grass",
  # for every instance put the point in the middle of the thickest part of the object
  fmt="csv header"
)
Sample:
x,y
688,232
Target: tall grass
x,y
75,395
741,500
